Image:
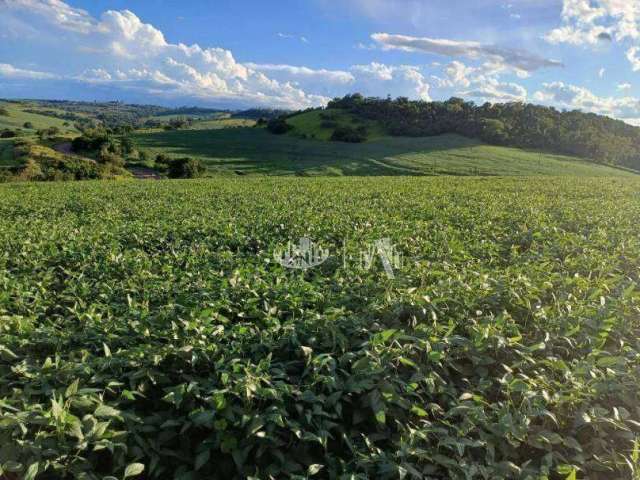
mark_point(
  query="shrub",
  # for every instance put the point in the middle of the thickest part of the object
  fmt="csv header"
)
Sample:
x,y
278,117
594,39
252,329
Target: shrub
x,y
4,112
91,140
106,155
278,126
28,125
349,135
185,168
6,133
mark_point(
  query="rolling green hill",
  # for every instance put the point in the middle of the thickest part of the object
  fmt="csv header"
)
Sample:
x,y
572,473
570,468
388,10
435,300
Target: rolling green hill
x,y
17,117
256,151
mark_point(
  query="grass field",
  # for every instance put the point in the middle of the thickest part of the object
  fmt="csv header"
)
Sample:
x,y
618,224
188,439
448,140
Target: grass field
x,y
147,326
17,117
255,151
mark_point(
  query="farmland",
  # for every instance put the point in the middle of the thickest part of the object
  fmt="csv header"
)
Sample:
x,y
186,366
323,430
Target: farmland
x,y
255,151
145,327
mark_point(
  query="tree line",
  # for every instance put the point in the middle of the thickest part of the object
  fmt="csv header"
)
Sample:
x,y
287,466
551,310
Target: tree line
x,y
516,124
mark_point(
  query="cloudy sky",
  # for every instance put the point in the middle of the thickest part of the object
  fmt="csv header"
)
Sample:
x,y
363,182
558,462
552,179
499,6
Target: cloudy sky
x,y
582,54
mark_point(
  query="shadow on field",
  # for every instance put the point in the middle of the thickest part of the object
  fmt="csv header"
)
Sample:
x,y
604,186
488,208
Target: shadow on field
x,y
253,150
256,151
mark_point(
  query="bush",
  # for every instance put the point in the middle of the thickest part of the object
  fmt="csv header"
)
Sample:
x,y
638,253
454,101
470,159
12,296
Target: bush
x,y
4,112
185,167
349,135
28,125
278,126
6,133
91,140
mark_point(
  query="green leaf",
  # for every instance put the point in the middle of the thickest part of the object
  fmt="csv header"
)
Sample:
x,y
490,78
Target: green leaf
x,y
72,389
31,472
133,469
201,459
105,411
313,469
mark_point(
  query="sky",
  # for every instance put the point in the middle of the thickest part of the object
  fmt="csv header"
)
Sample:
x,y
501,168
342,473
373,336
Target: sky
x,y
571,54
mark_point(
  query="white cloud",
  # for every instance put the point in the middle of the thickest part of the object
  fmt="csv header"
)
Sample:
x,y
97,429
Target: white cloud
x,y
593,22
624,86
288,36
120,49
519,60
9,71
579,98
332,76
380,80
499,92
601,72
55,12
482,83
634,58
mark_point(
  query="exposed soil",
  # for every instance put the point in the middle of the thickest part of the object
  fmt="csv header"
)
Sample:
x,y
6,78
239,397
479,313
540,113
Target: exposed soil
x,y
144,173
64,148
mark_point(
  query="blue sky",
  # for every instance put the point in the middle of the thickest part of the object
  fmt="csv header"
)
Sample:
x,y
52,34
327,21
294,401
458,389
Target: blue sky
x,y
582,54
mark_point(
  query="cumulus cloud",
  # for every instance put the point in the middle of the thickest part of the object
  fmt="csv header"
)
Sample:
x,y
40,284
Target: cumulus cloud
x,y
519,60
381,80
9,71
624,86
120,49
482,83
119,52
579,98
594,22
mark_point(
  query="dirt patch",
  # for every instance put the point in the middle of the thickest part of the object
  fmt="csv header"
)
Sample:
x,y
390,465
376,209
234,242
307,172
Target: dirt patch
x,y
144,173
64,148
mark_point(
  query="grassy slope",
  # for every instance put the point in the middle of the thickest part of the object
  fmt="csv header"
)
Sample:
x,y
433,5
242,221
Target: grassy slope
x,y
17,117
310,124
256,151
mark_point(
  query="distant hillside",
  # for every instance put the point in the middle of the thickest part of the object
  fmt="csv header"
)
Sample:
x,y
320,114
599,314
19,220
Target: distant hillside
x,y
258,113
255,151
192,112
528,126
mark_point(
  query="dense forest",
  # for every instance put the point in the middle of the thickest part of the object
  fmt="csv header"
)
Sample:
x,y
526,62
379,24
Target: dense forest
x,y
512,124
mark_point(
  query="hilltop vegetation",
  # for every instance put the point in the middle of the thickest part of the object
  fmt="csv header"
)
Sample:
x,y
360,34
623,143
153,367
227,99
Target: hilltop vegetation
x,y
521,125
145,327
